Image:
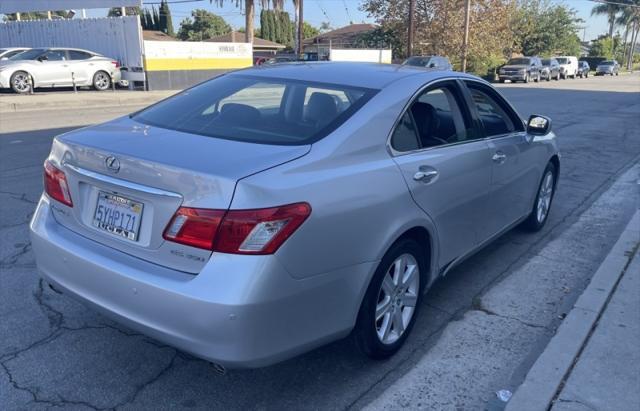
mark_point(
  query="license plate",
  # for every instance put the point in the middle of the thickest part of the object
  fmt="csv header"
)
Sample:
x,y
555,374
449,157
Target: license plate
x,y
118,215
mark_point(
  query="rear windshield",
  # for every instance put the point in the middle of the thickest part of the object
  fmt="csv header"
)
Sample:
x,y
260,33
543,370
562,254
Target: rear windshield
x,y
546,62
607,63
257,109
519,61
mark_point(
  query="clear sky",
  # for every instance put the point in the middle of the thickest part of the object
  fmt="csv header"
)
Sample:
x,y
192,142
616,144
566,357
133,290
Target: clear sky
x,y
340,12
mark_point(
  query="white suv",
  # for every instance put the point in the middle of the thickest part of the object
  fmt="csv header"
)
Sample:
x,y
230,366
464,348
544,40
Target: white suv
x,y
568,66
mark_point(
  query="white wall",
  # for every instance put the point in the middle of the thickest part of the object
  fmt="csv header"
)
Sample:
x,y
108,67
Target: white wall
x,y
117,37
365,55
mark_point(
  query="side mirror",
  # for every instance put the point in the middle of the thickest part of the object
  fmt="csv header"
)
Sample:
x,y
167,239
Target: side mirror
x,y
538,125
43,58
432,65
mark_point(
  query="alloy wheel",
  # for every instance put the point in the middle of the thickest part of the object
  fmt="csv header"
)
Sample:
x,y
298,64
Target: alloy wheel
x,y
544,197
101,81
397,298
21,82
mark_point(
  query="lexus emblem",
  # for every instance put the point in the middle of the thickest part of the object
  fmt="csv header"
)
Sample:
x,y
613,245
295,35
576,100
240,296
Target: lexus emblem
x,y
113,164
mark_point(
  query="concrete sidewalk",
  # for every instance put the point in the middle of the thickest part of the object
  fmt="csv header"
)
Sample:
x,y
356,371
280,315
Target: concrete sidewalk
x,y
593,361
607,373
68,100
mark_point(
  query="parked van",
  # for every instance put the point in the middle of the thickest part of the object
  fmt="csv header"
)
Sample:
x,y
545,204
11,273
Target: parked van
x,y
568,66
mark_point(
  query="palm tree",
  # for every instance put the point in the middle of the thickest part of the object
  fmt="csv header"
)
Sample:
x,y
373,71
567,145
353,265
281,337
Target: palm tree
x,y
611,11
249,8
630,19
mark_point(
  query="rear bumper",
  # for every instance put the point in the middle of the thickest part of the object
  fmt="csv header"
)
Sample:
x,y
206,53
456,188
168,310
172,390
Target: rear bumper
x,y
240,311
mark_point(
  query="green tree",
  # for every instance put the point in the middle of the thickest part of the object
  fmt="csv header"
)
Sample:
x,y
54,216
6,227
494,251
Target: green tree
x,y
602,47
38,15
309,31
539,27
204,25
276,25
117,11
166,24
156,18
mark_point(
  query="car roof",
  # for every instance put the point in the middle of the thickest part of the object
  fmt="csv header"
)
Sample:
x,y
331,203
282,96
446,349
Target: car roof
x,y
367,75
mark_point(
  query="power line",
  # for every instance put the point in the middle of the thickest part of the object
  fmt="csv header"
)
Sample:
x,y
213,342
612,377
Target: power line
x,y
637,6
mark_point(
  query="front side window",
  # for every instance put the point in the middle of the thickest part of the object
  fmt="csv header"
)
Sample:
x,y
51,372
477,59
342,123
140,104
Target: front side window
x,y
496,117
563,60
55,55
259,110
436,120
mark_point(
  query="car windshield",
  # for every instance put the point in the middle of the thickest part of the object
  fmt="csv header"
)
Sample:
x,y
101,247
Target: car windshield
x,y
519,61
546,62
562,60
417,61
258,110
607,63
28,55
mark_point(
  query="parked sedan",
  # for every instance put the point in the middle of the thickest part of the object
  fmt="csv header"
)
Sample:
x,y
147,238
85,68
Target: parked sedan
x,y
252,218
610,67
58,67
8,52
583,69
550,69
521,69
433,62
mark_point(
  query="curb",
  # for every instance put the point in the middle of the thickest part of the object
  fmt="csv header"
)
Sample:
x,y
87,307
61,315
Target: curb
x,y
119,99
547,374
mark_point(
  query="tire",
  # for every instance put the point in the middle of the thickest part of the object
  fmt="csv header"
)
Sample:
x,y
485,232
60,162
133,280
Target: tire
x,y
382,337
101,81
544,198
21,82
501,80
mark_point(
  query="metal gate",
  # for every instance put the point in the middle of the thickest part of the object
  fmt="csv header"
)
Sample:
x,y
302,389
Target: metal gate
x,y
117,37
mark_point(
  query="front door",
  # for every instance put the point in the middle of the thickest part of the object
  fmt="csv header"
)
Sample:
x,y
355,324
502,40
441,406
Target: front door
x,y
446,166
53,69
514,175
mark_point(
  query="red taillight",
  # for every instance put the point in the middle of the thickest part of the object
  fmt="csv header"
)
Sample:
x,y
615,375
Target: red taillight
x,y
116,63
55,184
194,226
260,231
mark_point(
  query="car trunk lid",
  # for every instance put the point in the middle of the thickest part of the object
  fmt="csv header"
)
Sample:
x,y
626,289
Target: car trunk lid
x,y
151,172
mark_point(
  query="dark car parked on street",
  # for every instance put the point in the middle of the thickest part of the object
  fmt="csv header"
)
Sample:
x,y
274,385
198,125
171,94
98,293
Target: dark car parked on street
x,y
550,69
583,69
434,62
521,69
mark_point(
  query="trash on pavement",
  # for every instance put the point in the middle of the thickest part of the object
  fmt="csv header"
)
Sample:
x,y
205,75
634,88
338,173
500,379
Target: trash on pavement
x,y
504,395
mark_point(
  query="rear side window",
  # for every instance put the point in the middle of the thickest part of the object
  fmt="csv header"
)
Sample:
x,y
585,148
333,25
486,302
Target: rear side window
x,y
496,116
259,110
78,55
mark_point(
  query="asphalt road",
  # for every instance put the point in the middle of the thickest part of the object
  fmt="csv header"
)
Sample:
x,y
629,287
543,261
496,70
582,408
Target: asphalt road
x,y
55,353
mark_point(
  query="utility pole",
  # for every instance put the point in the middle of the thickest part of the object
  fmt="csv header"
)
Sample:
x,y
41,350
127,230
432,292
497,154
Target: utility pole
x,y
412,12
465,40
300,28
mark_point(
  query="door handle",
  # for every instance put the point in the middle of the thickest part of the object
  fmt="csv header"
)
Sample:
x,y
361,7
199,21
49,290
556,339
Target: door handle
x,y
499,157
425,176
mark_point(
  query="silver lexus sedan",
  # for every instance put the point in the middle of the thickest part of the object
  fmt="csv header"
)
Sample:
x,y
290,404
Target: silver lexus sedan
x,y
275,209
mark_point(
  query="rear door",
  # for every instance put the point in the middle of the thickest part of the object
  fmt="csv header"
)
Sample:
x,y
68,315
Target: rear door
x,y
80,65
446,165
514,175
